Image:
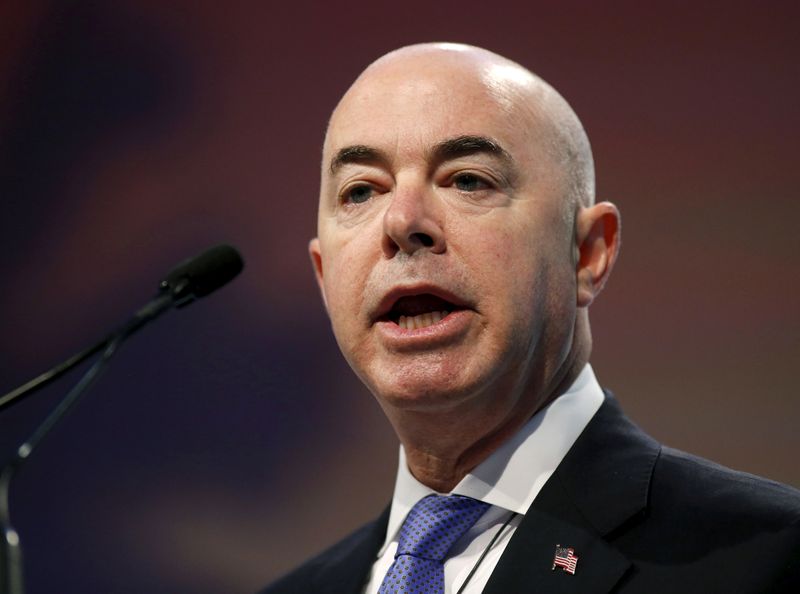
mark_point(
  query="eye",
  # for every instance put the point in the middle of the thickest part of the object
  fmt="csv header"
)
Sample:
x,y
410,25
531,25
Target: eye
x,y
469,182
357,194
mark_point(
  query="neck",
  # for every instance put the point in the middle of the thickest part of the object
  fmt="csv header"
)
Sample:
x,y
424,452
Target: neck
x,y
442,447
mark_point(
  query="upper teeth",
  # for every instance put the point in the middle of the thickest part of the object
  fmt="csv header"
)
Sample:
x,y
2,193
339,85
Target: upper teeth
x,y
421,321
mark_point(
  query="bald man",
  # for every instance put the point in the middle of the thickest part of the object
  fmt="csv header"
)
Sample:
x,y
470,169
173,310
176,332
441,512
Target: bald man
x,y
459,248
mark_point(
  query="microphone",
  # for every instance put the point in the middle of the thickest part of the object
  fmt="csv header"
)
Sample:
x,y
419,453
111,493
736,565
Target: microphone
x,y
201,275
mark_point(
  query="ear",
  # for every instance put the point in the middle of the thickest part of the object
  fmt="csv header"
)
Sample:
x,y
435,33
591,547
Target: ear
x,y
597,238
316,263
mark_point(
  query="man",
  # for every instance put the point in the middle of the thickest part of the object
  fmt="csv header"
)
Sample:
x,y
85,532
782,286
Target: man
x,y
459,248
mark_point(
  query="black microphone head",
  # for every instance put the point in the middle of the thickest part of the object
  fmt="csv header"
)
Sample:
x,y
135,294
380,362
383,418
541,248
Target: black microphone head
x,y
203,274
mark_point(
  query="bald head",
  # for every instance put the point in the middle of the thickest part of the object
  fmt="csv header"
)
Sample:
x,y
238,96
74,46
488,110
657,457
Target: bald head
x,y
522,97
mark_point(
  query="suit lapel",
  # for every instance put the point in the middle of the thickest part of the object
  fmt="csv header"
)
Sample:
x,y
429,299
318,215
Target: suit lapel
x,y
346,570
526,564
601,484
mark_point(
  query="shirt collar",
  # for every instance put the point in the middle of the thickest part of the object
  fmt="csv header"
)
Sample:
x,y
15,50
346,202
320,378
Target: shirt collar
x,y
512,476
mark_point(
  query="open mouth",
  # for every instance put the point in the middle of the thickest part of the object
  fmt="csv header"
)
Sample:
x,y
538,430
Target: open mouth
x,y
414,312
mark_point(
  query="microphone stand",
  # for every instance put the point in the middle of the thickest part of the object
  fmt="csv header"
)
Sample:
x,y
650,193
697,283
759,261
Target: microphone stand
x,y
191,279
11,581
49,376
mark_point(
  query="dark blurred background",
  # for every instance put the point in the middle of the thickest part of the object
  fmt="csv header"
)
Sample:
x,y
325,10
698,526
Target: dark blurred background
x,y
230,441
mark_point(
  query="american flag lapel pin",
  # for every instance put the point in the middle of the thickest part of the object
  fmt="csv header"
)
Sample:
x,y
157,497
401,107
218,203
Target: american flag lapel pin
x,y
565,559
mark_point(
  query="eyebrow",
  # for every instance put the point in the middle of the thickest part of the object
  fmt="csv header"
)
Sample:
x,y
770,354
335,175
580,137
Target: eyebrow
x,y
358,153
464,146
446,150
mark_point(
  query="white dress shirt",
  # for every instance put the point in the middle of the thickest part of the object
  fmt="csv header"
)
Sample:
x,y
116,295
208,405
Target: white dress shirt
x,y
509,480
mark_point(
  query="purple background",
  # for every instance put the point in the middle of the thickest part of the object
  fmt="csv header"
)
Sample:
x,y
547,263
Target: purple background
x,y
230,441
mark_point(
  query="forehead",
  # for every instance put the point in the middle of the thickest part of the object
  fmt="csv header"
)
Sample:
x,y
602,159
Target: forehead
x,y
404,108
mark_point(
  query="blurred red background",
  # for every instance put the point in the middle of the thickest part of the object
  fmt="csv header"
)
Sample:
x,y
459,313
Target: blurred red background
x,y
230,441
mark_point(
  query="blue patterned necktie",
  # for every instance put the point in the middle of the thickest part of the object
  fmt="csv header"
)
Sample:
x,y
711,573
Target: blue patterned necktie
x,y
433,525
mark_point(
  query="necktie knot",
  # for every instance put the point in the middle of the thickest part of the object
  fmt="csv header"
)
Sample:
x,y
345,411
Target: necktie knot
x,y
435,523
431,528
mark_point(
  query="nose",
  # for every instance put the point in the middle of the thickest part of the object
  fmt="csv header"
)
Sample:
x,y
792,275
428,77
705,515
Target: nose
x,y
413,222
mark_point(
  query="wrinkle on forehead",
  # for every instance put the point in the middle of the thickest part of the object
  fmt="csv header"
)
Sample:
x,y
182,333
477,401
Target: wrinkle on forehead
x,y
424,70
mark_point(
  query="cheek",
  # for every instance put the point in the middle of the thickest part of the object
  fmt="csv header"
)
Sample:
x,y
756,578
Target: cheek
x,y
505,261
341,282
527,275
346,271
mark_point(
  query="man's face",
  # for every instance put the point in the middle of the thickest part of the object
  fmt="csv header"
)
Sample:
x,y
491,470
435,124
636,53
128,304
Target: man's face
x,y
444,254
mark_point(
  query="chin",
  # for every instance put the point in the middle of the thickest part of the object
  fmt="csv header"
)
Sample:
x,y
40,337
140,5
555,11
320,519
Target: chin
x,y
422,388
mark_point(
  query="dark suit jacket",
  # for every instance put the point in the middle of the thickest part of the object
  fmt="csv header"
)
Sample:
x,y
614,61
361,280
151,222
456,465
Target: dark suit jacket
x,y
641,518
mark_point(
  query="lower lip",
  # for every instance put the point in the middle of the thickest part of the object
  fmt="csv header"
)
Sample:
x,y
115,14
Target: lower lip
x,y
446,331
